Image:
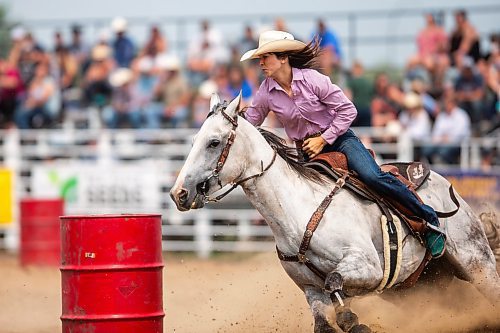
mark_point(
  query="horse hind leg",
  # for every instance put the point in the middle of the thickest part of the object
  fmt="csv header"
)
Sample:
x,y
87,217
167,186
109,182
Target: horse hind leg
x,y
474,262
488,283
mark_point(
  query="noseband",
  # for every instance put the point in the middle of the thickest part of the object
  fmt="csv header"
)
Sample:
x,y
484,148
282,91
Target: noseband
x,y
223,158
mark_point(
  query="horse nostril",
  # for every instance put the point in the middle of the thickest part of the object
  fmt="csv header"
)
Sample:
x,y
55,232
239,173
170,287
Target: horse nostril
x,y
182,195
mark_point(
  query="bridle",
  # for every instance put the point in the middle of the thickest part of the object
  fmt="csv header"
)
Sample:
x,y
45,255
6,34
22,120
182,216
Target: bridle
x,y
201,190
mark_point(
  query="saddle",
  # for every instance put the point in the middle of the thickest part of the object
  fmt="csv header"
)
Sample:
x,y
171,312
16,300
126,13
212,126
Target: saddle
x,y
413,175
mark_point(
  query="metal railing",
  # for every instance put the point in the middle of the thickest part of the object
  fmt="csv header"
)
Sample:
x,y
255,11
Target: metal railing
x,y
232,225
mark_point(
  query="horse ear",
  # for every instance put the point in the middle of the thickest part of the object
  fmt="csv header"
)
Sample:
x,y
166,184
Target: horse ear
x,y
234,107
214,101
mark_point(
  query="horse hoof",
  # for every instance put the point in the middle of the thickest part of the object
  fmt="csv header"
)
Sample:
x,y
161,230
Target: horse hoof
x,y
360,329
346,319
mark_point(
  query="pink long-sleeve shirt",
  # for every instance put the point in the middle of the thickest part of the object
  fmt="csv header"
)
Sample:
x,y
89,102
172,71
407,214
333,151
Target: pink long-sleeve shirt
x,y
316,105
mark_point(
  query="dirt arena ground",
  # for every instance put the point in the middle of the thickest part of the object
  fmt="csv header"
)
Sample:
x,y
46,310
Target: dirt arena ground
x,y
242,293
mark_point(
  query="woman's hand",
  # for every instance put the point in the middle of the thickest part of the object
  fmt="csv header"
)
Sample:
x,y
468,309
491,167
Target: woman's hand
x,y
313,146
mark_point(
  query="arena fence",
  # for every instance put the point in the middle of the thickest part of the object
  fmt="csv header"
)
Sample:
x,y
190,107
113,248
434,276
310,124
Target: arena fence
x,y
131,171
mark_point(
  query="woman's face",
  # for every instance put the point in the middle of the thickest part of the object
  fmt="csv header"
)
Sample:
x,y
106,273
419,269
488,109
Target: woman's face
x,y
270,64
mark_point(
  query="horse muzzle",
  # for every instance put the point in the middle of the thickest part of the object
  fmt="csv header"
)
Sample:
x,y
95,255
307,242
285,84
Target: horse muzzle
x,y
184,200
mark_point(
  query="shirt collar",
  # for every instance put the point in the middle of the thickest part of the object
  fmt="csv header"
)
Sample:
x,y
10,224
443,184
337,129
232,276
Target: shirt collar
x,y
296,76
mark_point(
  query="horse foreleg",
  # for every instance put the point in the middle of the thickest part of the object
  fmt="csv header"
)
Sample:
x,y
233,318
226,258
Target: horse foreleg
x,y
355,271
322,310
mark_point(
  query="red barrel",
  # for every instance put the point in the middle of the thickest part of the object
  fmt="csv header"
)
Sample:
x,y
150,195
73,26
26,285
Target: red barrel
x,y
40,231
111,274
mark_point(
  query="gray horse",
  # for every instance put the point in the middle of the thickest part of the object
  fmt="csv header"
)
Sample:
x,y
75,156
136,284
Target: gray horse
x,y
348,243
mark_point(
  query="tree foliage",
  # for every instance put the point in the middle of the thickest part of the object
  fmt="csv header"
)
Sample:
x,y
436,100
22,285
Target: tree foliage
x,y
4,31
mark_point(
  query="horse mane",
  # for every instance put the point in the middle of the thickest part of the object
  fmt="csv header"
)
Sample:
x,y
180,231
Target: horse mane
x,y
290,155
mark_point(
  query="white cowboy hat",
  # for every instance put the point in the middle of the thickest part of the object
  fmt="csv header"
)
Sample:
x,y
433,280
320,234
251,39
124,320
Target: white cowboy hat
x,y
168,62
274,41
207,89
119,24
412,101
120,77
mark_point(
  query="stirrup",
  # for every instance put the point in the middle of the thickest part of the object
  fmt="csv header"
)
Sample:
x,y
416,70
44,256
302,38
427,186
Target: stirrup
x,y
436,229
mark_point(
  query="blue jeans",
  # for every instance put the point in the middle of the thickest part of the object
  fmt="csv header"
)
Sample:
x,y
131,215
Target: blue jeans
x,y
360,160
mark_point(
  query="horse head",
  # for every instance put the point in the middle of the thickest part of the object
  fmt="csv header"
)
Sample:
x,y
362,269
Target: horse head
x,y
207,168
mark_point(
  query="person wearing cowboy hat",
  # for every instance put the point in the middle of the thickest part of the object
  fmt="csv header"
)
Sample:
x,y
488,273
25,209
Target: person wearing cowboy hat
x,y
123,47
317,115
120,110
172,92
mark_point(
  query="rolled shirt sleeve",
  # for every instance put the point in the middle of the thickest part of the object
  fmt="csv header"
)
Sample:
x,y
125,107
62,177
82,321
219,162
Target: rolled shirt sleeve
x,y
258,110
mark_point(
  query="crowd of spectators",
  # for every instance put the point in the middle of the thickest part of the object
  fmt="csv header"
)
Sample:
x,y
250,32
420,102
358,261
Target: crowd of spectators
x,y
449,88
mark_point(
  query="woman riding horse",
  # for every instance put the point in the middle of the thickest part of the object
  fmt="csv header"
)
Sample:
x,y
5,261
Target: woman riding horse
x,y
317,115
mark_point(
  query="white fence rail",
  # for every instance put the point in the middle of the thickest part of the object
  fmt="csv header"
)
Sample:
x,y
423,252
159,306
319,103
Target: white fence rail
x,y
232,225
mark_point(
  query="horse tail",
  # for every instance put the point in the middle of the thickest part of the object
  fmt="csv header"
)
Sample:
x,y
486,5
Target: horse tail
x,y
492,230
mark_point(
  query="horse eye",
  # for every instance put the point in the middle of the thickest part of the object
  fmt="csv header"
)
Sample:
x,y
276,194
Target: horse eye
x,y
213,144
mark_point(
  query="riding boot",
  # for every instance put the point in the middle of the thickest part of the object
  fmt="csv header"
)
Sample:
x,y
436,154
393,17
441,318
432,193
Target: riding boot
x,y
435,239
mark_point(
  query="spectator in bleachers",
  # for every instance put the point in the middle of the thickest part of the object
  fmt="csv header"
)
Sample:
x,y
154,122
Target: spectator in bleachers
x,y
143,91
201,102
26,54
415,70
328,41
172,92
67,67
451,127
11,88
97,90
432,41
280,25
429,104
58,40
67,70
464,39
206,50
119,111
123,47
250,68
443,76
220,76
360,92
78,48
17,35
469,89
330,57
36,110
489,68
156,44
414,120
248,41
235,83
385,104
